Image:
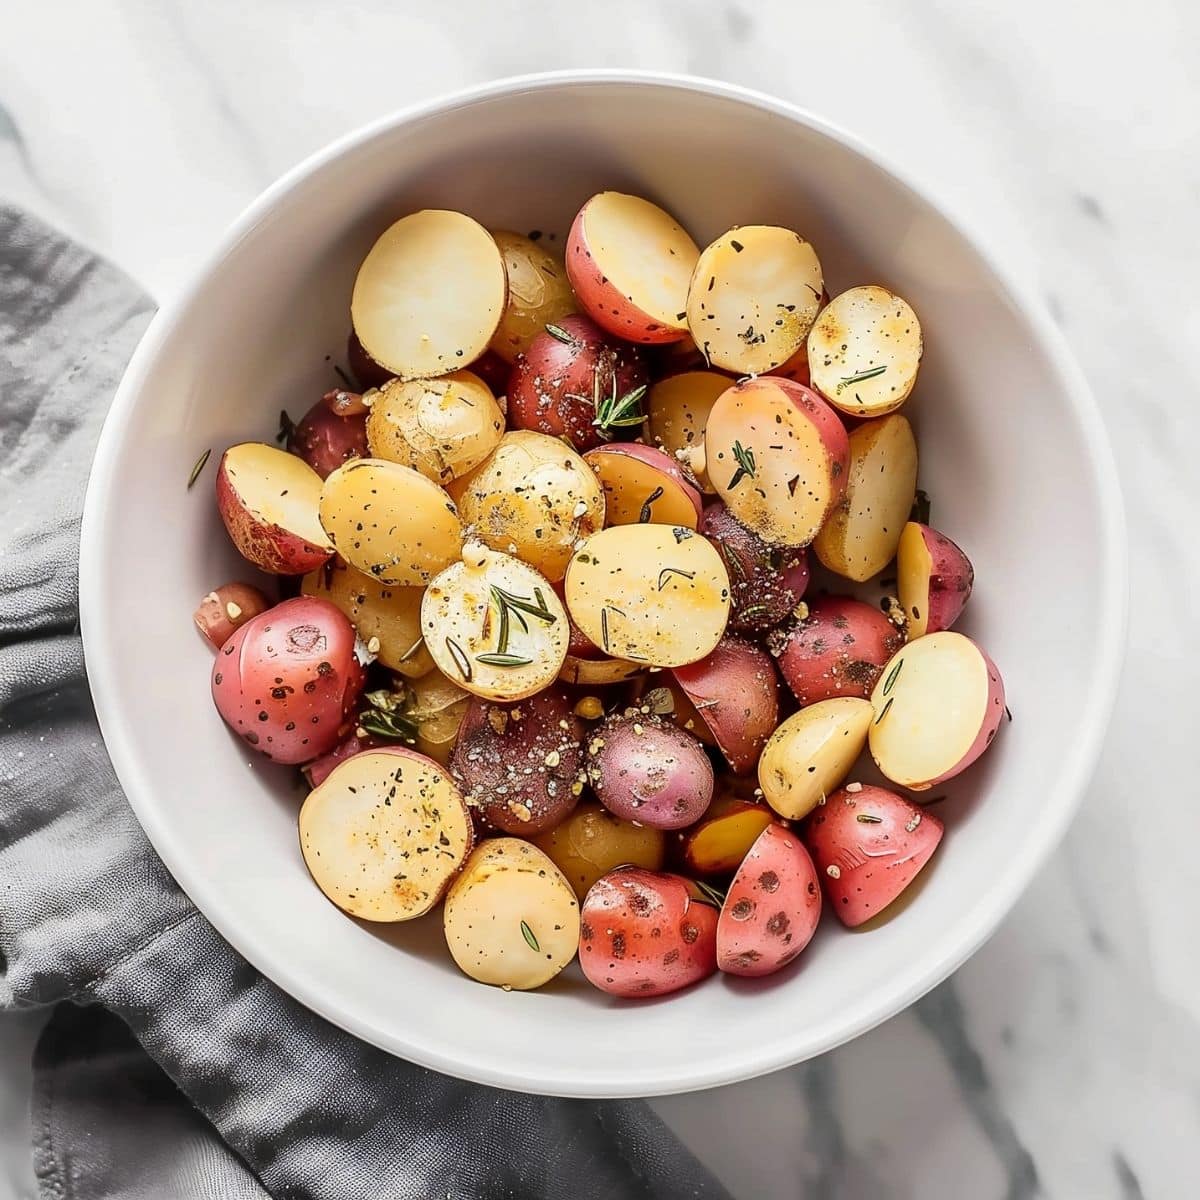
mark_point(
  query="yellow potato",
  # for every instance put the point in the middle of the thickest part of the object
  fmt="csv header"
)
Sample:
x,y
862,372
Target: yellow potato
x,y
436,705
539,293
591,842
677,410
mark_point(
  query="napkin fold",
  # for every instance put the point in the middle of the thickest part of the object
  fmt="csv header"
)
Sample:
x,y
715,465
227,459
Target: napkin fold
x,y
188,1074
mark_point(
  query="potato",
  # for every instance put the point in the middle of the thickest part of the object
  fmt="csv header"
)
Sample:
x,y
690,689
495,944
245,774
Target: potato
x,y
511,919
643,485
494,625
673,358
652,594
520,765
386,617
772,907
839,649
663,694
363,367
316,772
938,704
630,263
538,293
864,351
796,367
753,298
429,295
285,681
717,844
646,933
268,501
736,692
384,834
766,582
345,404
495,372
441,427
436,705
534,498
390,522
777,455
223,610
577,382
934,578
648,770
325,439
677,411
597,672
862,533
812,752
591,842
868,845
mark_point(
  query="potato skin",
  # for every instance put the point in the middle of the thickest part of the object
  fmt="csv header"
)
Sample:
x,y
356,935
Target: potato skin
x,y
839,649
648,770
363,367
935,579
642,933
538,292
519,764
590,842
225,609
286,681
325,440
772,907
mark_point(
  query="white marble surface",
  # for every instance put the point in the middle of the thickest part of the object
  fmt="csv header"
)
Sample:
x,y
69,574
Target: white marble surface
x,y
1064,1059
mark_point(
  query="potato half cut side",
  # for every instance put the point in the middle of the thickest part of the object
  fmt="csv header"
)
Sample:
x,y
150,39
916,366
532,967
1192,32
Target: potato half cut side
x,y
938,704
511,918
538,293
934,579
677,411
863,532
429,295
753,298
864,351
384,834
656,595
643,485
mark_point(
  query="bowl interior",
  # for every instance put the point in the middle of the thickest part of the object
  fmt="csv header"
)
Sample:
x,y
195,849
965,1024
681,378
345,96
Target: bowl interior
x,y
1008,457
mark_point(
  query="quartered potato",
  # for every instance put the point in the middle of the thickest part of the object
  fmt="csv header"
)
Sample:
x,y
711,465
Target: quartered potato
x,y
429,295
643,485
864,351
494,625
539,293
677,411
934,579
753,298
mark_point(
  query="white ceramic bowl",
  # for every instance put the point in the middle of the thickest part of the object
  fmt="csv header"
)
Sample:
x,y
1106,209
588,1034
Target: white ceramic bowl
x,y
1013,454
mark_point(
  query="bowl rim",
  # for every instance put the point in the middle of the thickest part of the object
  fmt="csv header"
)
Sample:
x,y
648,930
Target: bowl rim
x,y
926,970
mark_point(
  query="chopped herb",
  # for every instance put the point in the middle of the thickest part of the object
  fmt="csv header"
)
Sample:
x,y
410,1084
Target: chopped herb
x,y
286,427
200,464
858,377
752,612
890,681
667,572
886,707
503,660
604,628
738,247
745,462
869,819
921,509
1008,713
412,650
644,514
461,661
659,701
385,724
560,334
709,894
527,934
615,411
681,534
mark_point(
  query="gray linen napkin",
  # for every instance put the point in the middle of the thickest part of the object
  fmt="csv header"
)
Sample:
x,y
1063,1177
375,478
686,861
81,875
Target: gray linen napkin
x,y
89,914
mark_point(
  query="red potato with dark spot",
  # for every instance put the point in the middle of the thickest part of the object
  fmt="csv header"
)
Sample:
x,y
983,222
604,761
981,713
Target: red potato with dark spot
x,y
648,770
573,377
286,681
934,579
772,907
736,692
868,845
325,440
643,485
225,609
519,764
766,582
646,933
839,649
363,367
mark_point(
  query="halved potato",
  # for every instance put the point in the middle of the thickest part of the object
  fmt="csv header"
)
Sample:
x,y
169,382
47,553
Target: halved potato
x,y
390,522
629,263
657,595
429,295
753,297
677,410
864,351
511,918
643,485
269,500
717,844
538,293
384,834
862,533
494,625
591,842
934,579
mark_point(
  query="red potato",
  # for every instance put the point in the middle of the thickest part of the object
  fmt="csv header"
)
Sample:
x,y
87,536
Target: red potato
x,y
839,649
938,705
736,692
766,582
646,933
269,501
670,358
648,770
677,411
868,845
325,440
572,379
345,404
772,907
934,579
642,485
630,264
286,681
519,764
363,367
717,843
224,610
317,771
494,371
777,454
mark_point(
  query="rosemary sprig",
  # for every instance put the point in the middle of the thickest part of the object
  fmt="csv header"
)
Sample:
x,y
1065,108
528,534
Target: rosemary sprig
x,y
886,707
503,660
461,661
893,674
532,941
509,605
645,514
615,411
200,464
560,334
667,572
710,895
745,462
387,724
859,376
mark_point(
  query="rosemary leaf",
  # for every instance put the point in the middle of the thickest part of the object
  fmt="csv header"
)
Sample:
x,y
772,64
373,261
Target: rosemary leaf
x,y
849,380
200,464
532,941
